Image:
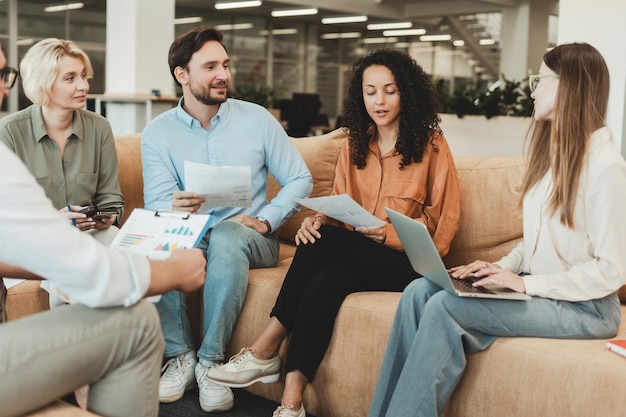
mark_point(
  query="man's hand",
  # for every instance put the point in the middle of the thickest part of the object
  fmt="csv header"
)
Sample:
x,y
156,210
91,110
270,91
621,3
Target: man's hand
x,y
251,222
184,270
186,201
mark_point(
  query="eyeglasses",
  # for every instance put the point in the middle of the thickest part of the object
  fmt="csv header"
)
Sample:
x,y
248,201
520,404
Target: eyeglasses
x,y
9,76
533,80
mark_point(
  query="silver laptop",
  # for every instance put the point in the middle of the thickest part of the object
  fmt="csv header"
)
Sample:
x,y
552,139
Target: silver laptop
x,y
425,260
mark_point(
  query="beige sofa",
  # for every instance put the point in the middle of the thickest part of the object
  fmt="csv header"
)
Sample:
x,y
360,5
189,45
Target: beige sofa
x,y
514,377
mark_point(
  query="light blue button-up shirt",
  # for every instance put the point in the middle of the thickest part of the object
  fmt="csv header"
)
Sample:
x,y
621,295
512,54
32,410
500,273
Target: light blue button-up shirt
x,y
241,134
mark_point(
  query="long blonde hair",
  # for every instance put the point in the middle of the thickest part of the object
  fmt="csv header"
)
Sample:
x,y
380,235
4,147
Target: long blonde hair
x,y
560,145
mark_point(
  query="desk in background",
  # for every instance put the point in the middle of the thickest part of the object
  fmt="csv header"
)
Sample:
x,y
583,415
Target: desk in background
x,y
130,113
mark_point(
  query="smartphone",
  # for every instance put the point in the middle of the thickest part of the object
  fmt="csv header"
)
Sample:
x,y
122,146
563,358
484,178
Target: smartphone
x,y
102,211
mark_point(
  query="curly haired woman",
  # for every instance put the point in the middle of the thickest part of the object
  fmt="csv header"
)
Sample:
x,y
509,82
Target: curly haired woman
x,y
396,157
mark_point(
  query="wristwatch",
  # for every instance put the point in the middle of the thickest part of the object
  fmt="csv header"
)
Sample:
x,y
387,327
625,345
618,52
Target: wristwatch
x,y
267,223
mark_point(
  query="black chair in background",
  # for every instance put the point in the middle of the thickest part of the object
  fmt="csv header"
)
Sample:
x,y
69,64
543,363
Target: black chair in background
x,y
301,113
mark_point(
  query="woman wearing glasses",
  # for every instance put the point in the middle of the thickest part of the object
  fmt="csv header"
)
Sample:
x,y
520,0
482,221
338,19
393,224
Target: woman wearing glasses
x,y
70,150
570,260
8,76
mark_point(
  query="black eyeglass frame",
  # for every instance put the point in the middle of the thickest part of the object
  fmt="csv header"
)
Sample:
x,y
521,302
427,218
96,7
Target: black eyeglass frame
x,y
9,76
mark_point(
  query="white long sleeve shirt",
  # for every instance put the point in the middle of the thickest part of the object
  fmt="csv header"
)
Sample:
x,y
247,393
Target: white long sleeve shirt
x,y
587,261
36,237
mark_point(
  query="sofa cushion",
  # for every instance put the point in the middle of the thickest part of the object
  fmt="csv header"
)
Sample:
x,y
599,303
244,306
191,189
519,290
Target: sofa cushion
x,y
25,299
320,153
488,185
130,171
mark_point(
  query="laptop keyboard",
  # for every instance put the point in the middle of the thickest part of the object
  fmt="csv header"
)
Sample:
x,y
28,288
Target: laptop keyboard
x,y
465,285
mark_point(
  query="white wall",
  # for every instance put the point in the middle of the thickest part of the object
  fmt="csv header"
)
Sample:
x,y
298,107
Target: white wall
x,y
601,24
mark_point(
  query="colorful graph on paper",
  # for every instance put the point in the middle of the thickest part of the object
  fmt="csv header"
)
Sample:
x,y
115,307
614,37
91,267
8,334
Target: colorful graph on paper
x,y
156,235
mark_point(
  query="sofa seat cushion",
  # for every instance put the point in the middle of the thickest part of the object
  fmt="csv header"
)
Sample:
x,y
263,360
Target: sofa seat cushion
x,y
356,349
490,385
527,373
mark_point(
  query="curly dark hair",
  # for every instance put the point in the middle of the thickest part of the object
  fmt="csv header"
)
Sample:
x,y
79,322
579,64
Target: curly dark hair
x,y
419,105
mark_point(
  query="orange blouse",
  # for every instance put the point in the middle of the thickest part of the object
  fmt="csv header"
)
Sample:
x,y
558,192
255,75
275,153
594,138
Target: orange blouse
x,y
427,191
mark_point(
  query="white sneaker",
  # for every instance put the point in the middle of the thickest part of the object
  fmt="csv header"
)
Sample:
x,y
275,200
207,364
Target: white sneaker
x,y
213,397
288,411
178,377
243,370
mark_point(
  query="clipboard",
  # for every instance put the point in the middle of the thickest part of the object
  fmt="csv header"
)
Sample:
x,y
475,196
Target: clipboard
x,y
157,233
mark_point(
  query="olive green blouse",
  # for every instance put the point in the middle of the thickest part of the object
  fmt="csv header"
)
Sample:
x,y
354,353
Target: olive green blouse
x,y
87,173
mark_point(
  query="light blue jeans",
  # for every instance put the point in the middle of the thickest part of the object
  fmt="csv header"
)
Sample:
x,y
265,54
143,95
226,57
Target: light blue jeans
x,y
231,250
433,331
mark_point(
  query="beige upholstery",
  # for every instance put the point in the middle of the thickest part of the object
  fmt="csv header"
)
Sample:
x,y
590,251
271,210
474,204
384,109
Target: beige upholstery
x,y
516,377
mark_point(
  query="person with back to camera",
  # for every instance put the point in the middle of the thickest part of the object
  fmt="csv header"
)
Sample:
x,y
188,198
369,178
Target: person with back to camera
x,y
207,127
395,156
116,350
70,150
570,260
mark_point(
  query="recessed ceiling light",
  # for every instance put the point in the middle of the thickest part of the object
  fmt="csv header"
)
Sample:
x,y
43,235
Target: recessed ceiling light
x,y
236,26
404,32
487,42
343,19
186,20
294,12
63,7
435,38
346,35
379,40
237,4
458,42
288,31
387,26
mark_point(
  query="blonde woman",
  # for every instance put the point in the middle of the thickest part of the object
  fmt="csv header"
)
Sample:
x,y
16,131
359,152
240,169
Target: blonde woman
x,y
69,150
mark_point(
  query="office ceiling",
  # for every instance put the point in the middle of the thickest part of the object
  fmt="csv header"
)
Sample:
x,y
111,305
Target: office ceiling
x,y
463,19
460,18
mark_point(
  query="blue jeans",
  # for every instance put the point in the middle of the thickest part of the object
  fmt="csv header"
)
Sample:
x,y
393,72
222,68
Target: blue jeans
x,y
433,331
231,250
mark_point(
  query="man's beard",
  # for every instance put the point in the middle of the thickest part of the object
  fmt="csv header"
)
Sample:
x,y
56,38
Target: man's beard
x,y
204,95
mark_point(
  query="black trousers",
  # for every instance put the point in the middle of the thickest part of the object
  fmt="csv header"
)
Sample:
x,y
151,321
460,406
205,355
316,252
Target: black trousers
x,y
320,277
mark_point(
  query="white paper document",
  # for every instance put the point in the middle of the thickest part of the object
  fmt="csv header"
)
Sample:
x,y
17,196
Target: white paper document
x,y
222,186
343,208
155,234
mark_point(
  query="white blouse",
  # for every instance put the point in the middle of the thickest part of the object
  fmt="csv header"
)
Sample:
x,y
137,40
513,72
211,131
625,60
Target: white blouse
x,y
587,261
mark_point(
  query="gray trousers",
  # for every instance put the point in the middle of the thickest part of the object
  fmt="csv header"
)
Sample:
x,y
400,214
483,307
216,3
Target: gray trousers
x,y
117,351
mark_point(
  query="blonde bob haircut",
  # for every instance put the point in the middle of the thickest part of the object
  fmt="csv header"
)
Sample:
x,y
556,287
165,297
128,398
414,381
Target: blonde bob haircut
x,y
40,67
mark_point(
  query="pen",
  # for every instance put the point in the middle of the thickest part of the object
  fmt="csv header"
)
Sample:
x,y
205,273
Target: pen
x,y
70,210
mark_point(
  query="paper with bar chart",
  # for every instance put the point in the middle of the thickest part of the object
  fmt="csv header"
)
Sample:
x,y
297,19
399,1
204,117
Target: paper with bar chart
x,y
157,233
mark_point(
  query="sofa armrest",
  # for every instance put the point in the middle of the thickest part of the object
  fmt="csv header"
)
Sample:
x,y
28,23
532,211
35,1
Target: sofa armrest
x,y
25,299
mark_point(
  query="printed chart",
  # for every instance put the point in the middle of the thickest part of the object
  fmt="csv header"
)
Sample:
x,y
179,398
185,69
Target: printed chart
x,y
157,233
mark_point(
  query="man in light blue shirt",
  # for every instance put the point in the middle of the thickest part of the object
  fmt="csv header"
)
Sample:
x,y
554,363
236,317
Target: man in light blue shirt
x,y
209,128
